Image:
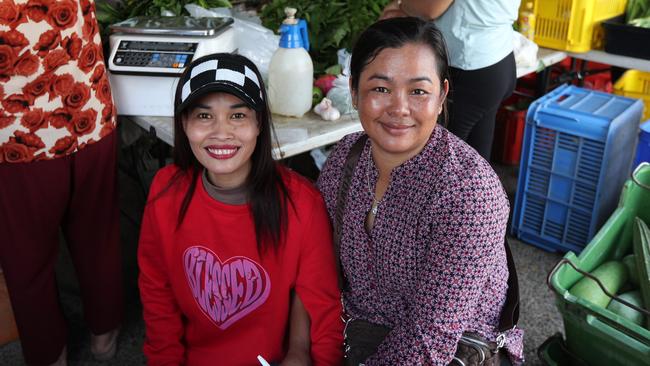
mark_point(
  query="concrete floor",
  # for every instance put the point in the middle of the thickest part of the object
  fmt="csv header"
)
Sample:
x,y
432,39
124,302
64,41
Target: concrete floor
x,y
539,317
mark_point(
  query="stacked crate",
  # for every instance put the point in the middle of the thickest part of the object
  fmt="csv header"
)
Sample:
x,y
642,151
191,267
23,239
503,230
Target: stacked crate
x,y
577,152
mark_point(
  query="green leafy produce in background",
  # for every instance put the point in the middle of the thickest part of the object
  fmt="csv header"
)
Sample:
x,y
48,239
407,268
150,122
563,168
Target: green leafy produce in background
x,y
640,22
116,11
637,9
332,24
108,14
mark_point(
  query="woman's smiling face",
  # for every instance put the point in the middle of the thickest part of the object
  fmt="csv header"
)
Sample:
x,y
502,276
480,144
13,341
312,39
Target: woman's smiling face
x,y
399,98
222,131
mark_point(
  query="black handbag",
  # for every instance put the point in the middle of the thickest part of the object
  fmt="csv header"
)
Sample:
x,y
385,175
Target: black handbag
x,y
362,338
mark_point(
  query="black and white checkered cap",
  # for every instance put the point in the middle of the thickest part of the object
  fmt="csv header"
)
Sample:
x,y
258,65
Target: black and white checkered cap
x,y
223,72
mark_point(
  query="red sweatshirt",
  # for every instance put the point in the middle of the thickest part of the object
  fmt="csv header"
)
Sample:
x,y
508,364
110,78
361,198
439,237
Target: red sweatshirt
x,y
208,296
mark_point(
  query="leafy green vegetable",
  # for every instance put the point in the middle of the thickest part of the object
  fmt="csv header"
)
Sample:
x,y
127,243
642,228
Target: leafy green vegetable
x,y
332,24
333,70
640,22
637,9
108,14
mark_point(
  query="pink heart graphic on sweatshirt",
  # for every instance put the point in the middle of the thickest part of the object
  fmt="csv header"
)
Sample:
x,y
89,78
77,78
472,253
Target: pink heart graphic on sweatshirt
x,y
225,291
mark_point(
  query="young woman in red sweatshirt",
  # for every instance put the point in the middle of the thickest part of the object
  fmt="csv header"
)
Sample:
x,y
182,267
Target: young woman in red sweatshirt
x,y
228,236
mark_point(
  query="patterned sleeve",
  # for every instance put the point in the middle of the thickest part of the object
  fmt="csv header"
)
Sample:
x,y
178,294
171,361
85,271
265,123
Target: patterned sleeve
x,y
467,230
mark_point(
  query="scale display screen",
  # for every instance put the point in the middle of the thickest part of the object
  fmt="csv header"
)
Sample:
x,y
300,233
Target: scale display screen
x,y
174,55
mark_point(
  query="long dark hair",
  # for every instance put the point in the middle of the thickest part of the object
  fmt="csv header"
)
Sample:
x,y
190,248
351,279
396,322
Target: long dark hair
x,y
395,33
266,191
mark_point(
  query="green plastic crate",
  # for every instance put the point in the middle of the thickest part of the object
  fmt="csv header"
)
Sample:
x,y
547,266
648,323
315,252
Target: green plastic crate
x,y
553,352
596,335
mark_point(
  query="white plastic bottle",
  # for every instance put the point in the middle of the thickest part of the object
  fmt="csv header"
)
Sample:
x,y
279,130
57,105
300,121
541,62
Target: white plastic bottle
x,y
291,71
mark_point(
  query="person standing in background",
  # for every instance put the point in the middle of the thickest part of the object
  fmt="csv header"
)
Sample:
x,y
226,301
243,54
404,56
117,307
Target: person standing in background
x,y
482,64
58,152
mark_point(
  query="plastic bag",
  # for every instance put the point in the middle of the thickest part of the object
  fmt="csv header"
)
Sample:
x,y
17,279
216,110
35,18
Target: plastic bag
x,y
253,40
340,95
525,51
320,156
340,92
344,58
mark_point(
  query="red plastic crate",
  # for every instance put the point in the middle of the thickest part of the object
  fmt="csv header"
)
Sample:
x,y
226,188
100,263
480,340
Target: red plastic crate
x,y
601,81
508,135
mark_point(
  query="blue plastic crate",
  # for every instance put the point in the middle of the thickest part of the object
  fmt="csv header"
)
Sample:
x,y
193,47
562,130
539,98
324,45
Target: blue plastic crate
x,y
576,154
643,148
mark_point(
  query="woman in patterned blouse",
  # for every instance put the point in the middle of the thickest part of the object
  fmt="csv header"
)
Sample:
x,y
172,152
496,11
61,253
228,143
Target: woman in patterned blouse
x,y
422,233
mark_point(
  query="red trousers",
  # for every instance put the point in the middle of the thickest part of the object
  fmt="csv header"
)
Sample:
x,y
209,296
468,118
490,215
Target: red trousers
x,y
76,194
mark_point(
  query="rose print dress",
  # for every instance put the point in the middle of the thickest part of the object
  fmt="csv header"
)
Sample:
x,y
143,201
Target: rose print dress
x,y
53,83
58,175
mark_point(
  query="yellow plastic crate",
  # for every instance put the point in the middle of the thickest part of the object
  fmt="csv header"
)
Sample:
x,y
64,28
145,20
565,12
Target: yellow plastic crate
x,y
635,84
573,25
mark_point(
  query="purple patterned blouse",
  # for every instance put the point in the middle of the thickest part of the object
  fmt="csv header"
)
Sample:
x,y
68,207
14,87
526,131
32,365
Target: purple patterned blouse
x,y
434,264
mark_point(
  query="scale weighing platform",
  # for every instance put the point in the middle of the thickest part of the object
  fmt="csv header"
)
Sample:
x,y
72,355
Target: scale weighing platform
x,y
148,55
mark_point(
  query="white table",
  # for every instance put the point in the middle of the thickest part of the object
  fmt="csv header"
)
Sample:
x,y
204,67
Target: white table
x,y
294,135
614,60
545,58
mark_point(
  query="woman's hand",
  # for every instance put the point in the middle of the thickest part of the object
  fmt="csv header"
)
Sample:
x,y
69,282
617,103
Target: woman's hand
x,y
392,10
299,338
297,358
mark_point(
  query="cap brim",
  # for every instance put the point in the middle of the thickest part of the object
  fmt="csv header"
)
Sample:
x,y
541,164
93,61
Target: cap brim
x,y
218,86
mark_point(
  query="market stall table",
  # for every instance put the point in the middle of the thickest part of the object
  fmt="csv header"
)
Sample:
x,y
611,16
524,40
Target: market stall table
x,y
545,58
294,135
613,60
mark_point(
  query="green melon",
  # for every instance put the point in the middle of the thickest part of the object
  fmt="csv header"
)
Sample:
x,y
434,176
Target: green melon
x,y
634,298
612,274
630,263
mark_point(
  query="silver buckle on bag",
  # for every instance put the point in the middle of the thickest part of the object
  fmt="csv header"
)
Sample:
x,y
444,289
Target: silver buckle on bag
x,y
501,341
501,338
477,345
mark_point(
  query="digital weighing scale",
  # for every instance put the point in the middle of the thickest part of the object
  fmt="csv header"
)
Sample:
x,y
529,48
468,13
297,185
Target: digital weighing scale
x,y
148,54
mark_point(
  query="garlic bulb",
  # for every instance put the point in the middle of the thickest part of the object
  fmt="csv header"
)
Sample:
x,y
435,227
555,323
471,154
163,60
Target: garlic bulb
x,y
326,110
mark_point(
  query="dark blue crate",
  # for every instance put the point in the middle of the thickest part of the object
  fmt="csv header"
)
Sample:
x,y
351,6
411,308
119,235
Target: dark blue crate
x,y
576,154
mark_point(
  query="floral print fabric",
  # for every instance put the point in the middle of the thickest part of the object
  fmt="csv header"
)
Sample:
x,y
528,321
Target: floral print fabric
x,y
54,88
434,264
